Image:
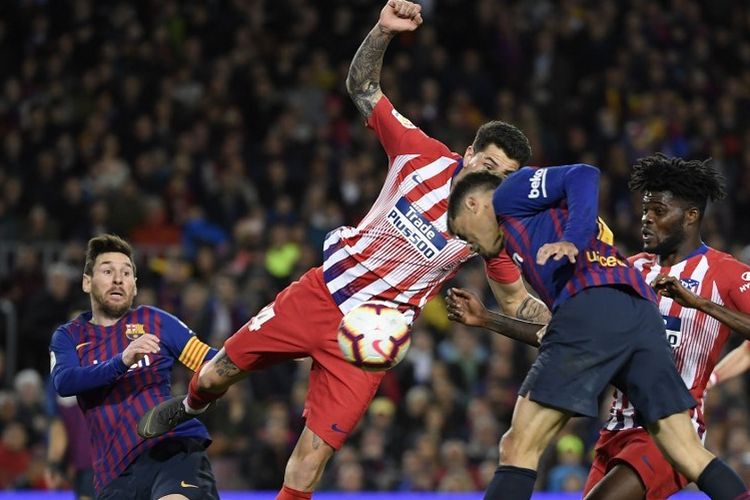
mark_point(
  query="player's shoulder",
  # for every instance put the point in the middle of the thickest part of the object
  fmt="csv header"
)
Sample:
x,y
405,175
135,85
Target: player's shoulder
x,y
168,321
75,326
157,312
726,265
69,332
385,112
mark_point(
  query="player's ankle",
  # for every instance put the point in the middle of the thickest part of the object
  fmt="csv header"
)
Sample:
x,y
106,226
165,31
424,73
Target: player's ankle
x,y
193,411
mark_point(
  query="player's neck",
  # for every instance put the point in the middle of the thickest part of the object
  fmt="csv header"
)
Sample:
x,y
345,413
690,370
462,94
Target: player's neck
x,y
100,319
683,251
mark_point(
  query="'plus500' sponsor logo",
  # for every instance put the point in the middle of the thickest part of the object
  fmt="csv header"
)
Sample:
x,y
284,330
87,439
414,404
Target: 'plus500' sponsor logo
x,y
416,229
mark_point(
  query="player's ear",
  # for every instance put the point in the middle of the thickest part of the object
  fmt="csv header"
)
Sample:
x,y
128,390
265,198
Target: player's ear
x,y
468,154
692,216
471,203
86,283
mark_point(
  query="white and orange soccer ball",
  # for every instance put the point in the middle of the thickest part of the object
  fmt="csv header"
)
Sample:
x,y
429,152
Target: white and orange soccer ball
x,y
374,336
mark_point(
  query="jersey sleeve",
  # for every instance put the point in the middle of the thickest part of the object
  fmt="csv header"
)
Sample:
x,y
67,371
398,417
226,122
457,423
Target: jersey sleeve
x,y
734,279
398,135
182,343
533,190
502,269
69,377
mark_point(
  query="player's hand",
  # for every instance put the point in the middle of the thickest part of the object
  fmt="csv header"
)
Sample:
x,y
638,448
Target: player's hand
x,y
400,15
712,380
53,477
669,286
557,251
465,307
145,344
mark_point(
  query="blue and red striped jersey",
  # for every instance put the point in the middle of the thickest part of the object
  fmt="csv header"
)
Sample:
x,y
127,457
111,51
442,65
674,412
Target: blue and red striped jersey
x,y
536,206
86,361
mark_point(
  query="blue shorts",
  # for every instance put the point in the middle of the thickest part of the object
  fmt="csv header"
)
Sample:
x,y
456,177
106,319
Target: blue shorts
x,y
175,466
607,335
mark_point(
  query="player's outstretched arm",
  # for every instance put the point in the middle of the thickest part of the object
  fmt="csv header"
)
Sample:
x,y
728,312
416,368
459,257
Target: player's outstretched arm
x,y
733,364
363,80
465,307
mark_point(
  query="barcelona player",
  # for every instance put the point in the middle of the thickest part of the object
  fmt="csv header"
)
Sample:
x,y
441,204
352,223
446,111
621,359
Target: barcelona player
x,y
399,254
118,361
605,325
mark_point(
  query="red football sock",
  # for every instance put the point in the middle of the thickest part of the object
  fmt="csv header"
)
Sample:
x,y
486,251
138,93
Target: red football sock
x,y
198,399
288,493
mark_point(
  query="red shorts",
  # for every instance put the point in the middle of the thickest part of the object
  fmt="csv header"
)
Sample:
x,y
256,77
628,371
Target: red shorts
x,y
635,448
303,321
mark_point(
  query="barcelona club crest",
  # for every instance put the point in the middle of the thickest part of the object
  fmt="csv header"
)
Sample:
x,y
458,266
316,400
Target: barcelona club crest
x,y
134,330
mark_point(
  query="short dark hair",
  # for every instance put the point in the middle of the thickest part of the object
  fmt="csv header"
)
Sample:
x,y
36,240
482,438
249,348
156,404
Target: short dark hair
x,y
507,137
471,182
694,181
103,244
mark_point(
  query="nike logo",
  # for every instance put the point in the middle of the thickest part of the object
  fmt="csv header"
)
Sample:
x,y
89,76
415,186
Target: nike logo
x,y
187,485
645,461
336,428
376,346
416,178
83,344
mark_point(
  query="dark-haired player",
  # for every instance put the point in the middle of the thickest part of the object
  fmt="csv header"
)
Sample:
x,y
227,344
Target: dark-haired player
x,y
399,254
118,361
605,325
703,295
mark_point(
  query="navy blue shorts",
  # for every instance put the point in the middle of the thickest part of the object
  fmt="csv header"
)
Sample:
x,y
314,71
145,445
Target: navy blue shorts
x,y
175,466
607,335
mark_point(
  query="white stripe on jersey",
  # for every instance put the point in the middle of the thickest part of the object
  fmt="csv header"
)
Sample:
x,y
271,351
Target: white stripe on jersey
x,y
397,253
700,335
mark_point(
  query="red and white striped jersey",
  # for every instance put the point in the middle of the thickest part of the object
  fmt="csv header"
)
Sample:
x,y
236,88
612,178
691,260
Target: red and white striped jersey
x,y
696,338
401,251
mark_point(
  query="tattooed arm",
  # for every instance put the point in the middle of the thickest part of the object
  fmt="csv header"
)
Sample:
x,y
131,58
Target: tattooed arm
x,y
363,80
515,301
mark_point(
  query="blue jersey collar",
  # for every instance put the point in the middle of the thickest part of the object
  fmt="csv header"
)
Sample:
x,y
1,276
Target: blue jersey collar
x,y
702,248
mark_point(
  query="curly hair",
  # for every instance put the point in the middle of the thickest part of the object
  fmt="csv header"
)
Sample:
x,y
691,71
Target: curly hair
x,y
694,181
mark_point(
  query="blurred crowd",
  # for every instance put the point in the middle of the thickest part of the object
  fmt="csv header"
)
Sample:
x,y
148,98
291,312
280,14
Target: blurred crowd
x,y
217,136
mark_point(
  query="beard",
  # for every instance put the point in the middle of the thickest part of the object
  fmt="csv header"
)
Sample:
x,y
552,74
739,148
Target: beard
x,y
668,245
111,310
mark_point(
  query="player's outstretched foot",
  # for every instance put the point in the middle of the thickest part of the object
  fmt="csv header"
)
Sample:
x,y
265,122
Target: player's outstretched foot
x,y
163,417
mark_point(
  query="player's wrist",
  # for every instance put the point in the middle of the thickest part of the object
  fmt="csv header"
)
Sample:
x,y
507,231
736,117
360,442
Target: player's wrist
x,y
713,379
385,30
700,303
123,360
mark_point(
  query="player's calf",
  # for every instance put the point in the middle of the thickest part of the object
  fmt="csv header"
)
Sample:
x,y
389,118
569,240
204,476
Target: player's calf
x,y
678,441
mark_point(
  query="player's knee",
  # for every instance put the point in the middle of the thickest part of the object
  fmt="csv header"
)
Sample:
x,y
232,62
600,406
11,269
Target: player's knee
x,y
508,447
521,449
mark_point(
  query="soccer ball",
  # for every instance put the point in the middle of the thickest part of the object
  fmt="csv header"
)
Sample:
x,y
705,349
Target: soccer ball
x,y
374,336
